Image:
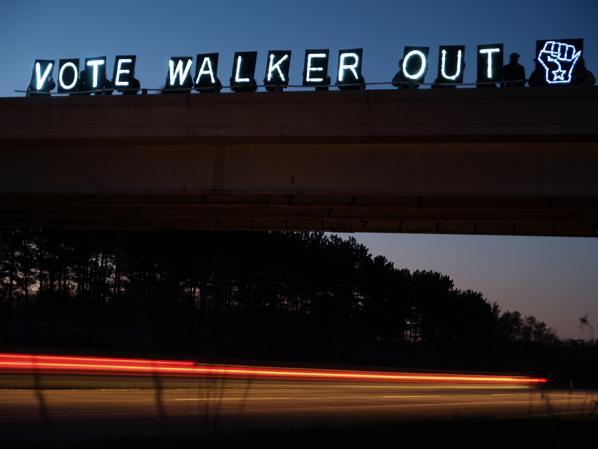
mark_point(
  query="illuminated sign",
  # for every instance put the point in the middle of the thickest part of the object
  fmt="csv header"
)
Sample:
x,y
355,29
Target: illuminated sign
x,y
95,73
243,77
558,58
206,73
556,64
179,75
277,69
451,62
123,77
349,69
413,67
41,78
68,75
315,68
490,63
415,63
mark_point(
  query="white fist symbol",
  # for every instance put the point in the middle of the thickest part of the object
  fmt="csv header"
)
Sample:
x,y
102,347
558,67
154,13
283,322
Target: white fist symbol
x,y
558,59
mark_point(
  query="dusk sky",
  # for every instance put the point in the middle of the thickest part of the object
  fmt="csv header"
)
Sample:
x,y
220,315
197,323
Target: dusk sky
x,y
555,279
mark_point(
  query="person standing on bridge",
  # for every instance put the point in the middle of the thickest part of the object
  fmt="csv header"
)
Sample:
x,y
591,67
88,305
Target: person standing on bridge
x,y
82,88
513,72
51,85
536,79
133,88
400,81
582,76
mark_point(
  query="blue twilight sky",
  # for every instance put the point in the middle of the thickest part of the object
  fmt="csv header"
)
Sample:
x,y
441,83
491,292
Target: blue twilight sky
x,y
555,279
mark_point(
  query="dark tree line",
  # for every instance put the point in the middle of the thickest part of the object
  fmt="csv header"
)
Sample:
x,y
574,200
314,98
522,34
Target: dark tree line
x,y
251,295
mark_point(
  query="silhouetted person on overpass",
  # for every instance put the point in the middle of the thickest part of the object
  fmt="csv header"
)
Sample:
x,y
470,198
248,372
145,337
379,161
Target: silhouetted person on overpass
x,y
183,89
107,88
133,88
538,76
439,84
583,77
50,85
513,72
400,81
82,88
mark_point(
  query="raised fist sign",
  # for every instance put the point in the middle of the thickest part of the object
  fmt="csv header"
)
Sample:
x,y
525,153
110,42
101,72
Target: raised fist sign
x,y
558,60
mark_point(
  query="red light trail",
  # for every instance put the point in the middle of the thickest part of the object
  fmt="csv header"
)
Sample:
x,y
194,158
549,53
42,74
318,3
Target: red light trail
x,y
146,367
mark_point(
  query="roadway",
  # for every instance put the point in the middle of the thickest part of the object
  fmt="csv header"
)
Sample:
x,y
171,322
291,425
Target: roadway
x,y
82,408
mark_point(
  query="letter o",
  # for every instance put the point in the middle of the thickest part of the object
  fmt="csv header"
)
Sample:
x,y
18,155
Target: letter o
x,y
422,69
75,70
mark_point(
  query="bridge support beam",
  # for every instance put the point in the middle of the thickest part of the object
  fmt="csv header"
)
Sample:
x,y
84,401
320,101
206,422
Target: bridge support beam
x,y
466,161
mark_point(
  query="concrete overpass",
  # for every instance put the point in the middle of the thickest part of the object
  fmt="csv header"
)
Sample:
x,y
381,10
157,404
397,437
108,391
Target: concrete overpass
x,y
467,161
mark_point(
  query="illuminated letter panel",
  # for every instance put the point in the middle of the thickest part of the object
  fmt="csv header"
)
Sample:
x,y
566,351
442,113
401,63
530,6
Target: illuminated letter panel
x,y
41,76
277,69
315,68
451,62
414,64
490,63
206,73
123,72
243,76
68,75
95,72
349,69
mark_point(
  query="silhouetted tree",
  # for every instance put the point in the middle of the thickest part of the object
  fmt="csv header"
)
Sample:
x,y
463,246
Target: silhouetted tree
x,y
239,294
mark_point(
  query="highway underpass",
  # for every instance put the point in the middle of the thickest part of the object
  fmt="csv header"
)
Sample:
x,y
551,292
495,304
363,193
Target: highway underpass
x,y
519,161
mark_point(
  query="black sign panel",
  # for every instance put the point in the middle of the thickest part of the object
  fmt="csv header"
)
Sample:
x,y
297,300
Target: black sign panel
x,y
557,60
349,69
206,73
412,67
180,75
277,69
95,73
41,77
315,68
68,75
451,64
243,76
123,75
490,63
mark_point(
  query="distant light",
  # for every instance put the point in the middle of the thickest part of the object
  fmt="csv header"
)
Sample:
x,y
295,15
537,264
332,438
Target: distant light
x,y
102,365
